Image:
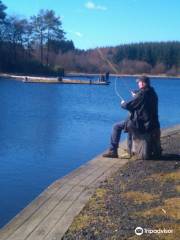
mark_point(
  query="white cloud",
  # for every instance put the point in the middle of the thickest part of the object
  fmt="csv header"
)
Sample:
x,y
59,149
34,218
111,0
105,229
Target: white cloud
x,y
90,5
78,34
93,6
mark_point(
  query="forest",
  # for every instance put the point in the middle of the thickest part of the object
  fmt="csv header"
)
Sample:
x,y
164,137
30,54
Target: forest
x,y
38,45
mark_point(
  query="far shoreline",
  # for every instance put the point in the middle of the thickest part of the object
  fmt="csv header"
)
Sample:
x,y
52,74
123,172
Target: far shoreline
x,y
124,75
19,76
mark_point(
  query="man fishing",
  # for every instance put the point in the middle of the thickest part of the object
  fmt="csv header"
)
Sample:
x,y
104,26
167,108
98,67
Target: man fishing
x,y
143,117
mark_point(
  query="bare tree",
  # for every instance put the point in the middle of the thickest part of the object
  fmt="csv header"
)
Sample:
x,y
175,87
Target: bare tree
x,y
39,30
47,27
53,28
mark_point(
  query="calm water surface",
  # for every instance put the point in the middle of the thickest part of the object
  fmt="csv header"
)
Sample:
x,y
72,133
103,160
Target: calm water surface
x,y
46,131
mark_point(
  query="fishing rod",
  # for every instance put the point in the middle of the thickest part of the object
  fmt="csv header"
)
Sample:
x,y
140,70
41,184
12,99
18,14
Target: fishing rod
x,y
116,91
113,68
116,72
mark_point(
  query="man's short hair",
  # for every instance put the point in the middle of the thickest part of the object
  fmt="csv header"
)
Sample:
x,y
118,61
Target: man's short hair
x,y
144,79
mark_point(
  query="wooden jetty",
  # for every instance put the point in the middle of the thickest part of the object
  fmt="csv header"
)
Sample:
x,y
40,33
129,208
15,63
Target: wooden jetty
x,y
50,215
54,80
64,81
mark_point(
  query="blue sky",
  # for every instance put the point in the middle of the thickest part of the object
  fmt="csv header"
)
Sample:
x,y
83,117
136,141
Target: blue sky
x,y
108,22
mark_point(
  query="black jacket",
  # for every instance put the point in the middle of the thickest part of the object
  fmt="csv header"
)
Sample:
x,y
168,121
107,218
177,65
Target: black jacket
x,y
144,110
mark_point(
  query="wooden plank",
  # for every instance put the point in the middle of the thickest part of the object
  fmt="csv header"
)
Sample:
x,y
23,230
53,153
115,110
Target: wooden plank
x,y
107,173
31,217
57,212
101,161
46,225
28,226
34,220
52,80
53,217
34,206
64,223
170,131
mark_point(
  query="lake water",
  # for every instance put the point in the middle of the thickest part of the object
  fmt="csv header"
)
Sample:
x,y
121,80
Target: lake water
x,y
46,131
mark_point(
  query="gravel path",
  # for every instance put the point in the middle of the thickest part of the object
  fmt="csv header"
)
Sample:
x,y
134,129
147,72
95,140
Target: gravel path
x,y
142,194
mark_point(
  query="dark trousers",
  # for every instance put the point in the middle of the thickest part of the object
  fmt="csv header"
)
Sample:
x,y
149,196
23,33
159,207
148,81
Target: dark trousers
x,y
116,135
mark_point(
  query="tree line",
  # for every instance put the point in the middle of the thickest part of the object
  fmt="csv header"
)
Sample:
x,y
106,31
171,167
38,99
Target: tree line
x,y
139,58
38,45
157,57
27,45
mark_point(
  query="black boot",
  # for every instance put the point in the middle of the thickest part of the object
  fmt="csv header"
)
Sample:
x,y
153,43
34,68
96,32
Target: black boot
x,y
111,154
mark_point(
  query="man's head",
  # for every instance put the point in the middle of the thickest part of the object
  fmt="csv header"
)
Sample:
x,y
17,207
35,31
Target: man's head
x,y
143,81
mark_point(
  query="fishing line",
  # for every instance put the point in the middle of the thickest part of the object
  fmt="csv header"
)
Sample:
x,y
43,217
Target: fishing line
x,y
114,69
116,72
116,91
105,59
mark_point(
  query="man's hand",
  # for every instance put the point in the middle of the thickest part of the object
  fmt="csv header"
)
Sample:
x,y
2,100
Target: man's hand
x,y
133,94
122,102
